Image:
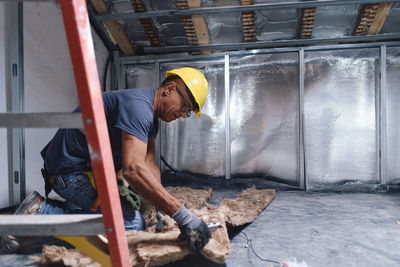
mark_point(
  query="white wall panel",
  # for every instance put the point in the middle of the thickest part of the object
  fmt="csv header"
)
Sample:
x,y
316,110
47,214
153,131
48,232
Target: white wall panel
x,y
49,80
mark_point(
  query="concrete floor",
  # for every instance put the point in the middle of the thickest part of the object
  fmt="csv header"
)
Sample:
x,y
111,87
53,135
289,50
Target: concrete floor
x,y
321,229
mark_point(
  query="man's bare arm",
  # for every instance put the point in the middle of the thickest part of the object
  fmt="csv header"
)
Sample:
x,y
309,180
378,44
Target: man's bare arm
x,y
138,174
151,158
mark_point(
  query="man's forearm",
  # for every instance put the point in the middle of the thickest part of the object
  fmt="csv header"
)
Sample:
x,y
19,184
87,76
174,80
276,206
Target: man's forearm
x,y
154,170
148,185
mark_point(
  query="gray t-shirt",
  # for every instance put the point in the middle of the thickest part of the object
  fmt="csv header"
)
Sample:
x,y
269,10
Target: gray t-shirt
x,y
130,110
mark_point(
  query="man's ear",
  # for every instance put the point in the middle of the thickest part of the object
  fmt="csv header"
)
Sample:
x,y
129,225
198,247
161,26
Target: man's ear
x,y
169,87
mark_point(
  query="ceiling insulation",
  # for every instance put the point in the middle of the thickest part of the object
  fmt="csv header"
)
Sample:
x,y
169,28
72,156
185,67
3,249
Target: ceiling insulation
x,y
279,21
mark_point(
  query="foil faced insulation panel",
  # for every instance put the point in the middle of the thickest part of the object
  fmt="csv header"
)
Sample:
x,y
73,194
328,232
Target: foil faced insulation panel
x,y
276,24
198,144
339,117
140,76
392,116
264,116
335,21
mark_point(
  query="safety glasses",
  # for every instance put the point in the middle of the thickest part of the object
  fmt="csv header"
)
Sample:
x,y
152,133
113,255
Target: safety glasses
x,y
186,106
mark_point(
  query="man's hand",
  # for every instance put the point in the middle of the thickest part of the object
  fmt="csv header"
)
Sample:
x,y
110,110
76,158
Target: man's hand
x,y
193,229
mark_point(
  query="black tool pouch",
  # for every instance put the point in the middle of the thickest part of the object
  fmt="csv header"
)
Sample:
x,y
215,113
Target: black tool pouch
x,y
47,185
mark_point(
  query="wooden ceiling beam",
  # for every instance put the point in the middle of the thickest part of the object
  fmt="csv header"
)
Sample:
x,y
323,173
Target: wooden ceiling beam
x,y
306,22
114,29
380,18
147,24
371,18
195,26
249,30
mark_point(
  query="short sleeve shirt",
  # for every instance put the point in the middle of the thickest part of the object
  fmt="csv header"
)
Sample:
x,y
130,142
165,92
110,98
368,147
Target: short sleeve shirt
x,y
129,110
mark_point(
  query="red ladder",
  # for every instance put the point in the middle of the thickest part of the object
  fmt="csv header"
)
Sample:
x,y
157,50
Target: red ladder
x,y
78,31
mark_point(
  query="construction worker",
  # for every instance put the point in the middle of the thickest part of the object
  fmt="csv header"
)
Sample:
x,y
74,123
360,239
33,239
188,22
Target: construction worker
x,y
132,124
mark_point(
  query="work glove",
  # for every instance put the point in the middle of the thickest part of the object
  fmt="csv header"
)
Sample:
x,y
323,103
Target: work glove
x,y
129,199
194,230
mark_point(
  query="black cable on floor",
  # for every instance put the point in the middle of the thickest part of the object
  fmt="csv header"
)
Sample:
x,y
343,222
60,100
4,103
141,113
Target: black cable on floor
x,y
250,244
169,166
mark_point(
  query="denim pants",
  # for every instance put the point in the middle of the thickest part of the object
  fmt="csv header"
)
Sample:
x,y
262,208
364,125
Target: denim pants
x,y
79,196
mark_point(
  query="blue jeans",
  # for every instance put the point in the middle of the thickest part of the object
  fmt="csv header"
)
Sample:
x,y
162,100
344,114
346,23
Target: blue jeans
x,y
79,196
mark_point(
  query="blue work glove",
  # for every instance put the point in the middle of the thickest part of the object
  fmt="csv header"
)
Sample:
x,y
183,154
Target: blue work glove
x,y
193,229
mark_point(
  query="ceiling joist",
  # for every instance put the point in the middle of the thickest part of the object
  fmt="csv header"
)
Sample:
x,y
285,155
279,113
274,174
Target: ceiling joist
x,y
195,26
249,30
371,18
380,18
147,23
307,23
114,29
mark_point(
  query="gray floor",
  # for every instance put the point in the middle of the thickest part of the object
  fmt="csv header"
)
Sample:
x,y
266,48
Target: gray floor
x,y
321,229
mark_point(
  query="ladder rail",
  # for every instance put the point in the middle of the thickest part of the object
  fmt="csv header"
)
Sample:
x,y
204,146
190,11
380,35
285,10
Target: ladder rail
x,y
78,32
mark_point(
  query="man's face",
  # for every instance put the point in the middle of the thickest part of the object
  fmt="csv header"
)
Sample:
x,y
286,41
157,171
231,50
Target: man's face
x,y
177,103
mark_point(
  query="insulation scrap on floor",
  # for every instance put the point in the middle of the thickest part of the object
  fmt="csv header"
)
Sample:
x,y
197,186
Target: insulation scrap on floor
x,y
151,248
61,255
246,207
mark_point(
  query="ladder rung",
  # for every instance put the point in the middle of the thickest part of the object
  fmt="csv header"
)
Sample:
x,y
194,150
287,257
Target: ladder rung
x,y
41,120
48,225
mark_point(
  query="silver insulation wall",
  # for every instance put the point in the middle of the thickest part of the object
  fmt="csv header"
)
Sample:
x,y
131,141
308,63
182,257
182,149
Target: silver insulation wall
x,y
140,76
194,144
392,166
264,115
339,108
342,101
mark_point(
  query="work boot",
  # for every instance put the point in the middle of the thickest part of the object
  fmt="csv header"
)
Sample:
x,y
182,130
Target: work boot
x,y
30,205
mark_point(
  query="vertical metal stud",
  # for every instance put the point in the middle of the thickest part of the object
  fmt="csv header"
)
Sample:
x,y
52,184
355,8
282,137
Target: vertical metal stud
x,y
123,77
15,103
115,69
302,167
227,121
158,139
381,116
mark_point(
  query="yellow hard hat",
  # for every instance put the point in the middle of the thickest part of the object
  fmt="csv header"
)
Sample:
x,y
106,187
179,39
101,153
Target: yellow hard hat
x,y
195,81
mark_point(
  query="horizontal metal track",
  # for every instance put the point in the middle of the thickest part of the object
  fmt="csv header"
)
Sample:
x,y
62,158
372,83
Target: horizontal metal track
x,y
151,59
229,9
41,120
281,43
48,225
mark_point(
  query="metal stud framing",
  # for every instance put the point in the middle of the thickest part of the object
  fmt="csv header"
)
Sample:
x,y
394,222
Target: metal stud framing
x,y
229,9
381,117
227,120
301,135
15,103
381,125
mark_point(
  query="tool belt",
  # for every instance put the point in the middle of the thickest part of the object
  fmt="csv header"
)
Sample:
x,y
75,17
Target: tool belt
x,y
129,199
